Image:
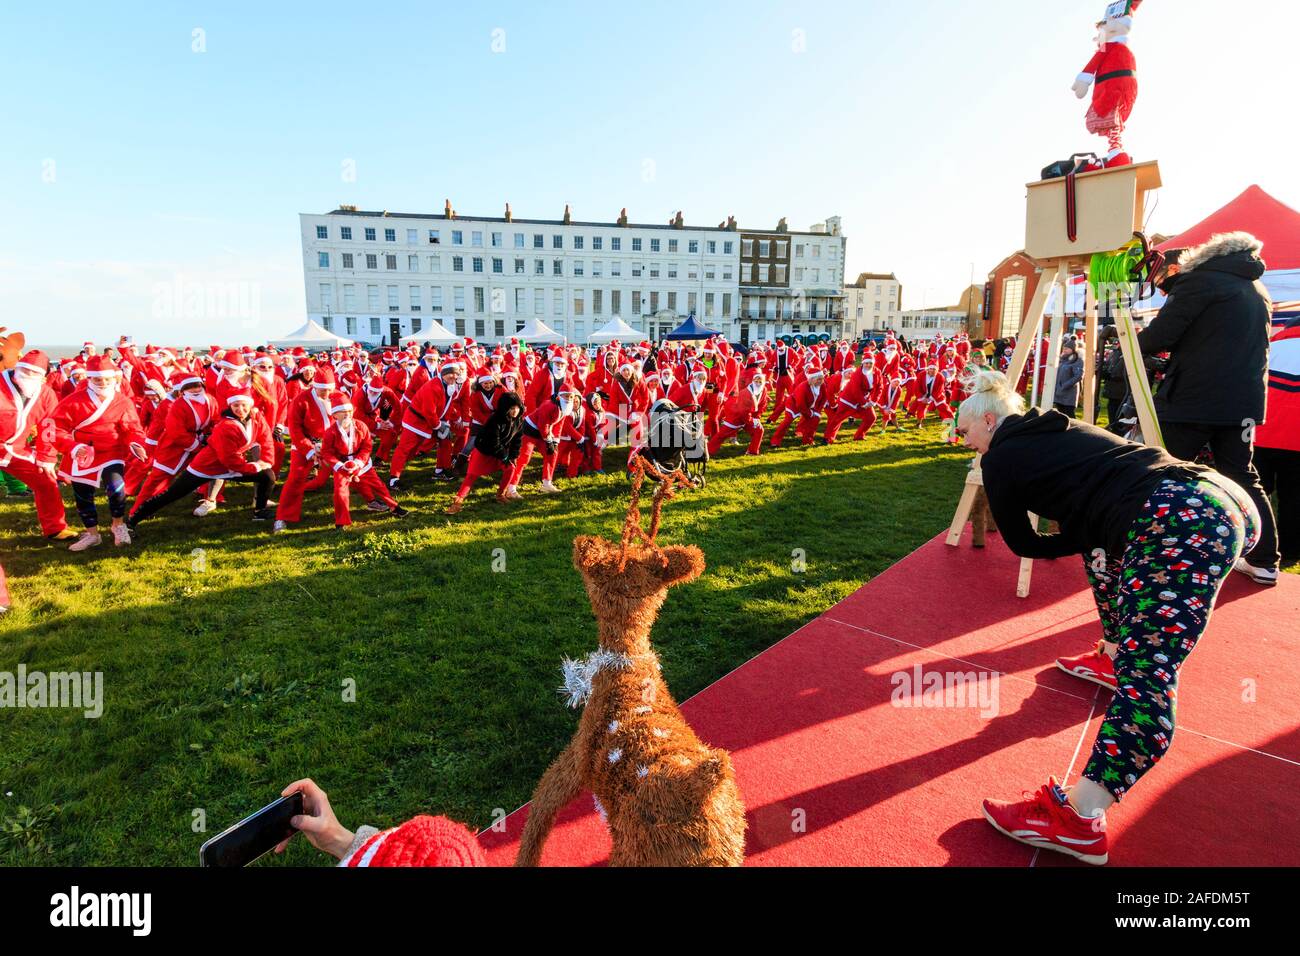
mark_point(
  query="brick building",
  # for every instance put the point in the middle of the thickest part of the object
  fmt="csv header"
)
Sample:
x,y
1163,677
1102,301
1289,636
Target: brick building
x,y
1010,288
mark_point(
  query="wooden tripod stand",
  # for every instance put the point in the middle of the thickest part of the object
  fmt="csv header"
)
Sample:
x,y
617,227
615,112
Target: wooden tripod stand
x,y
1111,206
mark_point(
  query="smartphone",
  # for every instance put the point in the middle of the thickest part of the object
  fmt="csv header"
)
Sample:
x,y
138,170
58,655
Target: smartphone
x,y
254,836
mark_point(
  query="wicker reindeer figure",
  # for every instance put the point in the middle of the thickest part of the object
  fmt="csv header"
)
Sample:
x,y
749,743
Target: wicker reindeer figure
x,y
669,800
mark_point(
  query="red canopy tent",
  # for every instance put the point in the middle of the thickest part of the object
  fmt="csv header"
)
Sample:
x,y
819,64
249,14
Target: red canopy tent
x,y
1273,223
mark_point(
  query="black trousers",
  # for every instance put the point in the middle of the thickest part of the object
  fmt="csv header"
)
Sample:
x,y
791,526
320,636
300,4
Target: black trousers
x,y
1233,458
185,483
1066,410
1279,473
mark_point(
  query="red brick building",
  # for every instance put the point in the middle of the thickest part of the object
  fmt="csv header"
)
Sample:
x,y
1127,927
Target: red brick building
x,y
1010,289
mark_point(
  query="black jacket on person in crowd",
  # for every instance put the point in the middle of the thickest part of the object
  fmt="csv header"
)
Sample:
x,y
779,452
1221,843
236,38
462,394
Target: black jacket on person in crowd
x,y
501,435
1215,325
1091,482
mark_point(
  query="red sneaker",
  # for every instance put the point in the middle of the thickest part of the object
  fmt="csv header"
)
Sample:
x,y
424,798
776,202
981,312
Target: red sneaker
x,y
1046,820
1095,666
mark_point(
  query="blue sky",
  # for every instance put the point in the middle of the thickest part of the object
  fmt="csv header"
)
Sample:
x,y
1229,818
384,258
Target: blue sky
x,y
133,162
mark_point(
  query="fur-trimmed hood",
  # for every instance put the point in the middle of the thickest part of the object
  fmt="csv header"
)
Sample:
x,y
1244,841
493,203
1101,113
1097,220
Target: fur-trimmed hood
x,y
1221,244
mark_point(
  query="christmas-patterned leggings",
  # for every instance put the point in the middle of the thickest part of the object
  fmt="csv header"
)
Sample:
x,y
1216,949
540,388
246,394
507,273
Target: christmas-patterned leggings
x,y
1155,601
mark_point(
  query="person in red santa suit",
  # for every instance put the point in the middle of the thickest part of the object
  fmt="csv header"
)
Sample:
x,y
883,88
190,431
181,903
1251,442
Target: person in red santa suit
x,y
582,437
375,404
480,402
542,429
740,413
625,412
345,452
781,370
272,398
1112,76
700,396
237,450
309,419
446,402
547,383
892,392
807,405
660,383
859,395
190,417
26,400
931,395
152,410
95,429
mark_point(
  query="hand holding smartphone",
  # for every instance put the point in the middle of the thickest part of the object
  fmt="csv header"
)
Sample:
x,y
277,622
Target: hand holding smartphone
x,y
254,836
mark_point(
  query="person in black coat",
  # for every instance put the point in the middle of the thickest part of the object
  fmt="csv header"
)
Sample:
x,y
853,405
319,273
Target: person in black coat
x,y
1215,327
1157,535
497,448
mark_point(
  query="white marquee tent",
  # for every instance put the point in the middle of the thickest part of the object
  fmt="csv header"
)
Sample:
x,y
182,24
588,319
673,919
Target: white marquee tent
x,y
615,329
535,330
435,332
313,338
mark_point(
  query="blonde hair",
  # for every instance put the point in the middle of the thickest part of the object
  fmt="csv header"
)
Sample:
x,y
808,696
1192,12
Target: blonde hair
x,y
991,393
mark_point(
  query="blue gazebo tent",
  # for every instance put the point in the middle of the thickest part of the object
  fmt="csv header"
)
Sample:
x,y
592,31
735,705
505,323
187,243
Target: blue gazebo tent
x,y
691,329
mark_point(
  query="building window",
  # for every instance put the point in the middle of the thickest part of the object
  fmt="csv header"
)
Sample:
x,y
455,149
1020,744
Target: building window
x,y
323,260
416,325
557,267
415,298
457,263
496,240
539,267
577,242
322,232
539,301
519,301
372,298
1013,306
764,248
672,245
727,247
636,243
538,241
435,299
616,243
476,239
390,262
693,245
616,268
654,245
457,237
326,297
558,302
478,263
519,267
597,301
597,242
412,236
726,305
578,267
390,235
392,299
370,234
746,248
374,327
579,305
458,301
708,304
345,232
352,325
412,263
434,236
615,302
435,263
478,300
597,268
557,241
329,323
519,240
350,298
498,266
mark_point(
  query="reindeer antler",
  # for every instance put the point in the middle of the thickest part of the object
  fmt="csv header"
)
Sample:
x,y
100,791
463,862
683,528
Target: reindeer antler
x,y
632,522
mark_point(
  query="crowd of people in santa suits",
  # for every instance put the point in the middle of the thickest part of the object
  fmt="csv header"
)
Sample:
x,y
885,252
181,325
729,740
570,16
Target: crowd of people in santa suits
x,y
145,429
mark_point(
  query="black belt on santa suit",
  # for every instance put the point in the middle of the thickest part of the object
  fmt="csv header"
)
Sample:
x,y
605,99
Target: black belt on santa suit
x,y
1115,75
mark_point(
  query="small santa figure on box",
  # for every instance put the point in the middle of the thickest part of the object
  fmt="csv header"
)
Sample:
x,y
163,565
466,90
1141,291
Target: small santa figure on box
x,y
1112,75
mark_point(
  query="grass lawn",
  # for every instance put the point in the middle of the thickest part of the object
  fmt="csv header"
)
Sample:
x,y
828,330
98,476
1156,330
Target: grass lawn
x,y
225,651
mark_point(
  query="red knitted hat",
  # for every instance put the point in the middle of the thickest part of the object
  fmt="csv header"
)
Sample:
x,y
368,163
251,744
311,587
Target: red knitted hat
x,y
420,841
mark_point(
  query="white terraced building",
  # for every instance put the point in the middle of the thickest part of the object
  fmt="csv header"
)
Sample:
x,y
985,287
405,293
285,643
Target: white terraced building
x,y
378,276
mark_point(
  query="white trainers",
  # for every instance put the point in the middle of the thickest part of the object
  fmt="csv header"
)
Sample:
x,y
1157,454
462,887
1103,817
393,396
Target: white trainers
x,y
549,488
206,507
278,527
513,494
88,539
121,535
1258,575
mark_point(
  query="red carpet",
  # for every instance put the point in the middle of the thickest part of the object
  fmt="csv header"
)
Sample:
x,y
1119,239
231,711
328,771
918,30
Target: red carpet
x,y
834,771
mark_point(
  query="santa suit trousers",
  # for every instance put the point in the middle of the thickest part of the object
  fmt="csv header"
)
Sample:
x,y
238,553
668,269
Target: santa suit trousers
x,y
297,485
835,420
186,483
726,431
408,446
370,485
45,491
526,449
480,465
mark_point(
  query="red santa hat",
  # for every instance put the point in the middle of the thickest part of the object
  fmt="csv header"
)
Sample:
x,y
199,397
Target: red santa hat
x,y
239,395
181,379
420,841
340,403
324,378
35,361
486,379
101,366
